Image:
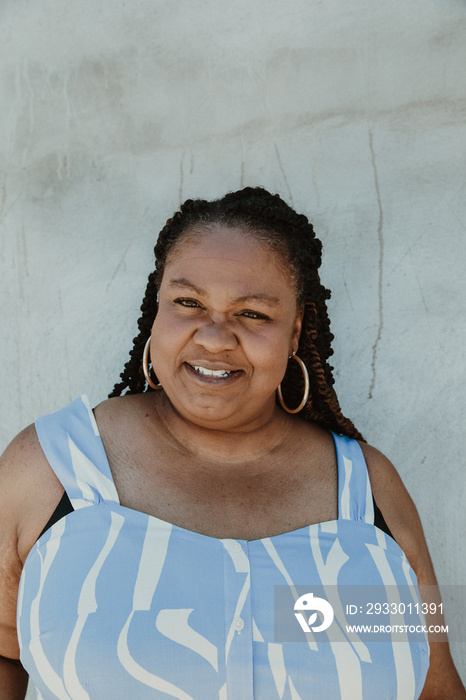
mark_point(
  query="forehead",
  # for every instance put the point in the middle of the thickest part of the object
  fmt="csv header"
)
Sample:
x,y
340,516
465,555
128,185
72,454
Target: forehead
x,y
249,252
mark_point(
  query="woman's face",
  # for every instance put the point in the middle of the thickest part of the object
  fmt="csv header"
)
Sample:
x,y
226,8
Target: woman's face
x,y
226,325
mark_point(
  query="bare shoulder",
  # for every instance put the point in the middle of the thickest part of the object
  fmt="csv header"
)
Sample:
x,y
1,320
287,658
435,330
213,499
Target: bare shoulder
x,y
404,522
121,408
399,511
19,467
126,419
29,489
27,484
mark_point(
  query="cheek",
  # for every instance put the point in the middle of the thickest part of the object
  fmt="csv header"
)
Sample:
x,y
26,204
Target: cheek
x,y
169,328
167,338
270,351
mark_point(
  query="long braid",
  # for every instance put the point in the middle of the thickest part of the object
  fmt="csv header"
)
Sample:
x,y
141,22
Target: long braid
x,y
132,376
269,218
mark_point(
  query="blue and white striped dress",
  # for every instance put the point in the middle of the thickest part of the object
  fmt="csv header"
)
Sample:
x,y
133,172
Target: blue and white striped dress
x,y
115,604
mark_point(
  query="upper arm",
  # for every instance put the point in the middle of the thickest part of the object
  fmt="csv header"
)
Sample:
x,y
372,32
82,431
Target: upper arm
x,y
402,518
28,492
399,513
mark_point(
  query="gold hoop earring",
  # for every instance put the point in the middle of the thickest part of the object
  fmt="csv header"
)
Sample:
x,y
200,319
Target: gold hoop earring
x,y
306,387
145,366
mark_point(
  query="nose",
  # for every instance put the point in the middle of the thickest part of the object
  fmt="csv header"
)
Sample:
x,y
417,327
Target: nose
x,y
216,336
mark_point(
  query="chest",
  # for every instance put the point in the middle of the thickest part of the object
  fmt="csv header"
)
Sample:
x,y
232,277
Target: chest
x,y
130,607
262,500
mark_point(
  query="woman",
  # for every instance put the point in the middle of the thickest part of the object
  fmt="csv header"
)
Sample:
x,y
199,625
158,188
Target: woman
x,y
211,481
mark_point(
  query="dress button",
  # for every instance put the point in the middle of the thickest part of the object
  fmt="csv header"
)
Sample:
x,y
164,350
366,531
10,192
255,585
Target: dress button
x,y
238,623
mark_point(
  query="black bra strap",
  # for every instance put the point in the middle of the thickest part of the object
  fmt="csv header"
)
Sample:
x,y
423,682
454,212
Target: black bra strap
x,y
63,508
379,520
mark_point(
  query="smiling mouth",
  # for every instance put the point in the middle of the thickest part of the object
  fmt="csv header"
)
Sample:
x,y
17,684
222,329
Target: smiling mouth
x,y
213,375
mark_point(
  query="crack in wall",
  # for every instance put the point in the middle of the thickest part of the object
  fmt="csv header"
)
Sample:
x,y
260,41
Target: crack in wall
x,y
375,346
120,262
284,174
348,295
405,254
3,197
181,178
422,294
2,211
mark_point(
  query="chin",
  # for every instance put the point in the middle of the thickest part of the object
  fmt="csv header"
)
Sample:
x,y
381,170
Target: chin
x,y
225,418
208,415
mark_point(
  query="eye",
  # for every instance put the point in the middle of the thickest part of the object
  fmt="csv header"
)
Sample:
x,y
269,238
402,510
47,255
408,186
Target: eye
x,y
255,315
188,303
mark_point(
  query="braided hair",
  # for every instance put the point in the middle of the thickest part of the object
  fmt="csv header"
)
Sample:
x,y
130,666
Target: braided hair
x,y
268,217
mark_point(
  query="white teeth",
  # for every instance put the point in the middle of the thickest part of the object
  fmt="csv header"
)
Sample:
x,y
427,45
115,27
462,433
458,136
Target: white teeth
x,y
212,372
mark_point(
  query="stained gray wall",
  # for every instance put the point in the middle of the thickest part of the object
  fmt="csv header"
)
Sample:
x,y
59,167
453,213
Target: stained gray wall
x,y
113,112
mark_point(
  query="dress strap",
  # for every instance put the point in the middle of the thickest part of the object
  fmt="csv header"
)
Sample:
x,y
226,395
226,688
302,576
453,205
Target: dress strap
x,y
355,500
72,444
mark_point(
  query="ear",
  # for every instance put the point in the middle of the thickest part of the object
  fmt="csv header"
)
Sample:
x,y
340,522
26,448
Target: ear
x,y
296,332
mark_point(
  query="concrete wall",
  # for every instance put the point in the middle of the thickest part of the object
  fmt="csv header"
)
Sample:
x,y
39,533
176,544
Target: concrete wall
x,y
113,112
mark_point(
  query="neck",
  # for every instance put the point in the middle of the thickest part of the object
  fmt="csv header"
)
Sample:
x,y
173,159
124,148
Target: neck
x,y
222,449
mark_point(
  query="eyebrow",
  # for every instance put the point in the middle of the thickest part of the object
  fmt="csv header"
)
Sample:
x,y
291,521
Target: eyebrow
x,y
268,299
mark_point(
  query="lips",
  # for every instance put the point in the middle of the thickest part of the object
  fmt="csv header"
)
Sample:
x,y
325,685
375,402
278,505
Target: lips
x,y
221,375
